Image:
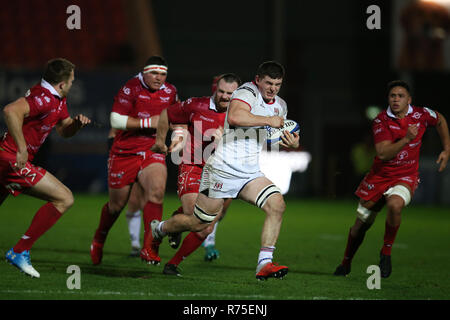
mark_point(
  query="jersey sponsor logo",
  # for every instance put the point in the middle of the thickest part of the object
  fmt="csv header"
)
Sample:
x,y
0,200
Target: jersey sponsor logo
x,y
143,96
408,179
378,130
377,121
143,114
47,99
394,127
164,99
413,145
38,101
123,101
45,128
158,156
126,90
248,89
206,119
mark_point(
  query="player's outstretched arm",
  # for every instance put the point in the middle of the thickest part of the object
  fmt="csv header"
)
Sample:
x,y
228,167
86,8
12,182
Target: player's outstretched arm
x,y
442,129
14,113
239,115
123,122
161,133
70,126
387,150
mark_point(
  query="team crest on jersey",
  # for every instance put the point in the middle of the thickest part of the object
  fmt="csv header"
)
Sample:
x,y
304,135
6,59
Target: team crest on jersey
x,y
126,90
277,111
417,115
167,90
402,155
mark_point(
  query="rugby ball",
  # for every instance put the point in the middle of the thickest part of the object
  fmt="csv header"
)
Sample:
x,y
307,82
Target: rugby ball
x,y
274,134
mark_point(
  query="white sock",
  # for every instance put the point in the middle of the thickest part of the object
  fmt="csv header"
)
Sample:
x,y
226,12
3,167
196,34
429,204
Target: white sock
x,y
160,230
134,227
211,238
265,256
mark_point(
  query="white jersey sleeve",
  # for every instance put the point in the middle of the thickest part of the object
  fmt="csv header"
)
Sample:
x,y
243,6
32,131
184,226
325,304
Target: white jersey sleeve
x,y
247,94
283,108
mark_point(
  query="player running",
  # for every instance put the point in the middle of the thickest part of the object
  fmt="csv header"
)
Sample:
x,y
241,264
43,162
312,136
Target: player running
x,y
135,114
205,117
394,176
233,170
30,120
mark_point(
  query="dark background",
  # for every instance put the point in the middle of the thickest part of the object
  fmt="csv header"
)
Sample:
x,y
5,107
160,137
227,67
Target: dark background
x,y
336,68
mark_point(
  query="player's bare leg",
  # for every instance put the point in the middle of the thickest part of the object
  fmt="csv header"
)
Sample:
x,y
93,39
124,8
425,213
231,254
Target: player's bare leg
x,y
133,216
262,192
187,207
211,253
395,204
153,181
366,214
110,212
59,199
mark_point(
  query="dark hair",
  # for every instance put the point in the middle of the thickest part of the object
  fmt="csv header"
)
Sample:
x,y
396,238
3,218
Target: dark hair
x,y
272,69
398,83
229,78
58,70
156,60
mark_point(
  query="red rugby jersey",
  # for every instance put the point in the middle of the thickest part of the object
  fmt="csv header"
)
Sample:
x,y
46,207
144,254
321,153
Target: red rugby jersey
x,y
203,119
136,100
387,127
46,110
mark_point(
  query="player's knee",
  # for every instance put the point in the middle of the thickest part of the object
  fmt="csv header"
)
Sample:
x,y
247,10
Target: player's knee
x,y
156,195
275,205
395,205
116,206
65,202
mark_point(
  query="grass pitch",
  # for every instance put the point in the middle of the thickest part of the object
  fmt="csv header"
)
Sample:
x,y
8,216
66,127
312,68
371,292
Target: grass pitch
x,y
311,243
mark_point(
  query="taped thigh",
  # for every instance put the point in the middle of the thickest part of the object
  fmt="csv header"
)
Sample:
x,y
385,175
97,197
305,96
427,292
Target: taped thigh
x,y
401,191
265,194
365,215
203,216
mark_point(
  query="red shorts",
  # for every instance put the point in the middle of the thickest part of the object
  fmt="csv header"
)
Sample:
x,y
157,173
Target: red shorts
x,y
123,169
189,177
13,180
372,187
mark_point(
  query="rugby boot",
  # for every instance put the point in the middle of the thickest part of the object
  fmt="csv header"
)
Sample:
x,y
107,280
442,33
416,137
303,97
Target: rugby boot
x,y
22,261
271,270
385,265
96,252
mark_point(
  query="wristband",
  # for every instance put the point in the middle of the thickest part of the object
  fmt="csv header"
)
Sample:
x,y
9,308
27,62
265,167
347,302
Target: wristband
x,y
145,123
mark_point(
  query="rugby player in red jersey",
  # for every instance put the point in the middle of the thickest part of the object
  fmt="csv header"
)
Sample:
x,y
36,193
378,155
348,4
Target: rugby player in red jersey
x,y
30,120
135,114
394,176
205,117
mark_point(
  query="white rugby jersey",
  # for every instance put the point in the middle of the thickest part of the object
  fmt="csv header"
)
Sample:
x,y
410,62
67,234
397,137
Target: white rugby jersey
x,y
238,151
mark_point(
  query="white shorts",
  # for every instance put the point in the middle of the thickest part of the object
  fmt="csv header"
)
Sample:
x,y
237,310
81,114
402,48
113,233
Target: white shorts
x,y
219,184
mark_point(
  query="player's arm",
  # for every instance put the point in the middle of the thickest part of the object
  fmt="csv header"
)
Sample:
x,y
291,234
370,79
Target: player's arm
x,y
161,133
70,126
442,129
387,150
14,113
123,122
239,115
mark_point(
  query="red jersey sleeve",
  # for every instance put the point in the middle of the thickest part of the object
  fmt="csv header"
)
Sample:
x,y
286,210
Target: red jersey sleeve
x,y
380,131
64,114
124,100
180,112
431,117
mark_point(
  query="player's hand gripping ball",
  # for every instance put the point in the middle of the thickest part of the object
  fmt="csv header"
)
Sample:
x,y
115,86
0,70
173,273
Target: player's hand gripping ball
x,y
274,134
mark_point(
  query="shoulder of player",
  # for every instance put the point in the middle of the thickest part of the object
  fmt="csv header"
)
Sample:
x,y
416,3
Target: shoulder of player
x,y
248,87
40,96
197,102
381,117
132,87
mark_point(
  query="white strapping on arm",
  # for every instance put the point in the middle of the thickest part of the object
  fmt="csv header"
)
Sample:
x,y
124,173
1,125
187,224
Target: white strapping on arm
x,y
118,121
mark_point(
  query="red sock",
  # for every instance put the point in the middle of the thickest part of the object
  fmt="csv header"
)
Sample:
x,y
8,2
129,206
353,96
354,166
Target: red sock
x,y
106,222
43,220
353,244
189,245
389,237
152,211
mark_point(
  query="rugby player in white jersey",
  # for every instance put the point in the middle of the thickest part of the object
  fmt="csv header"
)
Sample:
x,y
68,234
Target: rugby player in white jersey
x,y
233,170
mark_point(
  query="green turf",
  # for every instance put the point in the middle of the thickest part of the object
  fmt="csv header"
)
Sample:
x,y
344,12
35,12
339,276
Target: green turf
x,y
311,243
